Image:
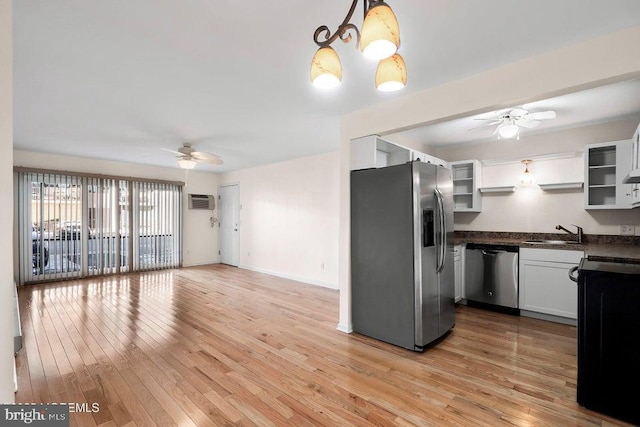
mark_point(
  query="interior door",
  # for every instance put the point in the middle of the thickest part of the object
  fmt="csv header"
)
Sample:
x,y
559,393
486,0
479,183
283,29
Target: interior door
x,y
229,219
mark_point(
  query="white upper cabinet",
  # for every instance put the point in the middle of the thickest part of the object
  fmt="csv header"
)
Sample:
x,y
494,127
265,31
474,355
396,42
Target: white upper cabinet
x,y
466,186
374,152
606,165
635,165
426,158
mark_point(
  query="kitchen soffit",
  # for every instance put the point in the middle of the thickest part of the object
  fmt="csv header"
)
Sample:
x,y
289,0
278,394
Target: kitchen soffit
x,y
597,105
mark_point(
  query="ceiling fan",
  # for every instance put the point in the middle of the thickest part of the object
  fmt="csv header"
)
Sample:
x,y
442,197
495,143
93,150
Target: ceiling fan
x,y
188,156
510,121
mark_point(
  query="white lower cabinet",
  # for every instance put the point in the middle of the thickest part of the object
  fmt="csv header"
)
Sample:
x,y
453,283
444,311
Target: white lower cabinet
x,y
545,286
458,271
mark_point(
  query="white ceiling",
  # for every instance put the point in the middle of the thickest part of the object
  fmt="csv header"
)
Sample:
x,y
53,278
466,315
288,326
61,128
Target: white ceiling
x,y
601,104
119,80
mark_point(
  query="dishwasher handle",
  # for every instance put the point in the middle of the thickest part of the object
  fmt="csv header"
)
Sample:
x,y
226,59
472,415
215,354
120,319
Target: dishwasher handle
x,y
492,252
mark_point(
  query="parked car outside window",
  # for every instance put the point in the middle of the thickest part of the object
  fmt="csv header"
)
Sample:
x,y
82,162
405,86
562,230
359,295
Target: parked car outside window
x,y
40,253
71,230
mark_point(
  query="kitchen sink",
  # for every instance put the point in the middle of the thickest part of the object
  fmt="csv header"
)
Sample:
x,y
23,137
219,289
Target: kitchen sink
x,y
552,242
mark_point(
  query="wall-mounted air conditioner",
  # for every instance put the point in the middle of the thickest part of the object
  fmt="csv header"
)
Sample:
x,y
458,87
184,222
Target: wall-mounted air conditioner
x,y
202,201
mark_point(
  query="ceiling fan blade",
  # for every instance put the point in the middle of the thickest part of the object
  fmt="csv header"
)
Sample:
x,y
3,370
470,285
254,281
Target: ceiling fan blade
x,y
172,151
541,115
518,112
485,125
204,155
529,124
492,118
213,160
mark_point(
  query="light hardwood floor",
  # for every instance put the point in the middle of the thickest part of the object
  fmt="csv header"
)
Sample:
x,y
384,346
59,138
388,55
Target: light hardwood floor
x,y
217,345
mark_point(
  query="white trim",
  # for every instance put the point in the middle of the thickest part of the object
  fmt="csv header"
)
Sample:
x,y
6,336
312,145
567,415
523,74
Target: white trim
x,y
538,158
197,264
230,184
304,280
347,329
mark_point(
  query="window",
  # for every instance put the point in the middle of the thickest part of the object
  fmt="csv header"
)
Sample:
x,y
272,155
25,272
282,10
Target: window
x,y
75,226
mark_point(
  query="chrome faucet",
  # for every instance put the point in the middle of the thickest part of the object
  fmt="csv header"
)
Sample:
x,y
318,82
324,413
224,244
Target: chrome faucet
x,y
578,234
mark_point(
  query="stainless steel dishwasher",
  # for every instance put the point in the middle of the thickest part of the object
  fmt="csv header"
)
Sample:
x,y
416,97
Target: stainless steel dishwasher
x,y
491,276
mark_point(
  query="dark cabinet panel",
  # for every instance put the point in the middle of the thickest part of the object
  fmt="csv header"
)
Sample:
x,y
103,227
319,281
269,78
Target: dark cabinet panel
x,y
608,343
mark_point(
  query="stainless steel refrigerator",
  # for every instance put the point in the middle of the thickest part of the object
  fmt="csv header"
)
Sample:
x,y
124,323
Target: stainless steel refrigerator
x,y
402,282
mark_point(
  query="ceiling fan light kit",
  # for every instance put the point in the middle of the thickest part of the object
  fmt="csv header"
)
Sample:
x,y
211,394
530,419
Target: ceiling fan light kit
x,y
508,130
378,40
186,163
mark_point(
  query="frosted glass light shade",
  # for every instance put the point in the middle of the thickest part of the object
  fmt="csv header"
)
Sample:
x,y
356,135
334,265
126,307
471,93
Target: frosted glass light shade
x,y
380,35
391,74
326,69
186,164
508,130
527,178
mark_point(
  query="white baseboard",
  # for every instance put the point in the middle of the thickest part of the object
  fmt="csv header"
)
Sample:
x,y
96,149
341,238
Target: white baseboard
x,y
196,264
347,329
290,277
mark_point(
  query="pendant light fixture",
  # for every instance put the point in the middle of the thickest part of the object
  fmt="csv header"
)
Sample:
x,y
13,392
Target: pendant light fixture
x,y
326,69
391,74
379,40
526,179
380,32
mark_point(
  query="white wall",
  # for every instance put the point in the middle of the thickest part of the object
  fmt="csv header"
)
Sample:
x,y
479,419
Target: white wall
x,y
289,218
6,203
200,240
531,209
593,63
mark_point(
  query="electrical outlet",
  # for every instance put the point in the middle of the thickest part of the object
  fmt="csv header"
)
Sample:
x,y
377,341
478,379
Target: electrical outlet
x,y
627,230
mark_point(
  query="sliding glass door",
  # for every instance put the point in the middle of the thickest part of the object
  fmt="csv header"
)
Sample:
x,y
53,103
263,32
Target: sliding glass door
x,y
73,226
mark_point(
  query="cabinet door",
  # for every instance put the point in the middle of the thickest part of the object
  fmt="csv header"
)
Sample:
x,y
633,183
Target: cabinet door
x,y
606,165
545,287
623,167
635,188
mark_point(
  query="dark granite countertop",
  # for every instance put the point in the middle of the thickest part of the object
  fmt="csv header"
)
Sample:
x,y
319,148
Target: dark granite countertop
x,y
596,247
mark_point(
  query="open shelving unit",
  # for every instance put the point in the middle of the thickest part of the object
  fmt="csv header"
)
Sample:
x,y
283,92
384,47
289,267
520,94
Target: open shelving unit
x,y
601,172
466,184
503,189
561,186
606,164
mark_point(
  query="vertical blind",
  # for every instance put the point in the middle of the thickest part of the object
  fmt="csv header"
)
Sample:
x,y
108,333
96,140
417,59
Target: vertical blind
x,y
77,226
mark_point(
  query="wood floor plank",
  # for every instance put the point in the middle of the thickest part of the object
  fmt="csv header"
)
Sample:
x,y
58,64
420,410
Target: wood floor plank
x,y
216,345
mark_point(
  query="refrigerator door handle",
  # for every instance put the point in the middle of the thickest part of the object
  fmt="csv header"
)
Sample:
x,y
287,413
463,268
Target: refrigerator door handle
x,y
442,243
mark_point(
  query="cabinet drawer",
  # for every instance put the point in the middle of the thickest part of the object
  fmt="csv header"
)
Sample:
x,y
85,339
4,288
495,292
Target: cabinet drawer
x,y
552,255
